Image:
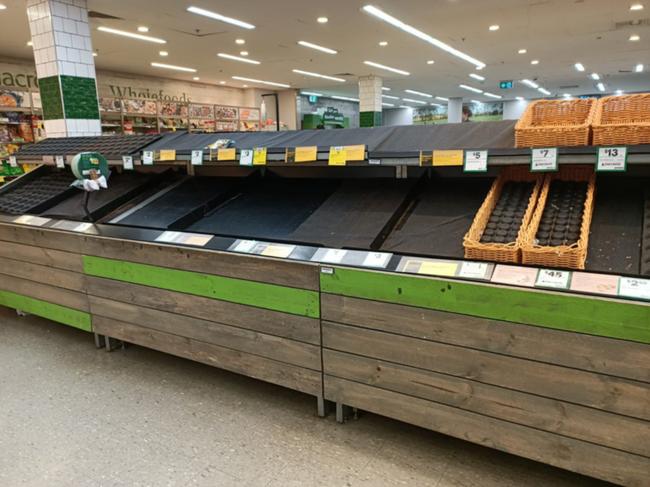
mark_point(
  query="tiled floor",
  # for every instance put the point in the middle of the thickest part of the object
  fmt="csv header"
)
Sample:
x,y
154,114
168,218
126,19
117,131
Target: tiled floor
x,y
71,415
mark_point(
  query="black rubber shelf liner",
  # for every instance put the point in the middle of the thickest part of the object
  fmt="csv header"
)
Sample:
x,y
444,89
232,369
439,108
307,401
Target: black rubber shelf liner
x,y
617,225
112,146
36,192
438,218
356,215
267,208
645,251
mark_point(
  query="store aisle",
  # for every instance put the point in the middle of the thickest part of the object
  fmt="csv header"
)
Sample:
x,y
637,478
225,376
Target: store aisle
x,y
73,415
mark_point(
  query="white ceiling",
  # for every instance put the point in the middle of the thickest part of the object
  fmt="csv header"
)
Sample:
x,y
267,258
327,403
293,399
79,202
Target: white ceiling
x,y
558,33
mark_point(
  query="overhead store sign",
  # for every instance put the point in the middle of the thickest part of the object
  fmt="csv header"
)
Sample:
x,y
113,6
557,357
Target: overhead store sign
x,y
506,85
332,115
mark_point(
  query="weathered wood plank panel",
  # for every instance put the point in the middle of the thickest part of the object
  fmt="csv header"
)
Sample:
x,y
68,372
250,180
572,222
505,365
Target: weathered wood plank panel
x,y
44,292
43,274
42,237
43,256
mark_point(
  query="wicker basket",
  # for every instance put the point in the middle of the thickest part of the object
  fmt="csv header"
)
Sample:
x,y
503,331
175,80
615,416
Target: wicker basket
x,y
563,256
556,123
498,252
622,119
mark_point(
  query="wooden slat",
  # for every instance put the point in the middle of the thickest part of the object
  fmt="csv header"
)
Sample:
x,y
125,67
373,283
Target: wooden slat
x,y
587,388
286,325
598,354
298,378
39,255
43,274
583,423
269,346
44,292
582,457
42,237
286,273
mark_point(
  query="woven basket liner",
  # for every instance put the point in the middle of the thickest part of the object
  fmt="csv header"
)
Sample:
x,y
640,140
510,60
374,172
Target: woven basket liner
x,y
623,119
556,123
498,252
563,256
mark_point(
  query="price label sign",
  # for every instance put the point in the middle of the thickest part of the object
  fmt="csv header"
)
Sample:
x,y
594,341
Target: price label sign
x,y
59,161
630,287
474,270
553,279
197,157
127,162
476,161
338,156
147,158
376,259
612,159
246,157
259,156
544,160
12,161
334,256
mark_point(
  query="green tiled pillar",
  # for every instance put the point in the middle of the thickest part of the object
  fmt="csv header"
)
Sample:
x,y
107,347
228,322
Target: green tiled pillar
x,y
370,119
65,66
370,96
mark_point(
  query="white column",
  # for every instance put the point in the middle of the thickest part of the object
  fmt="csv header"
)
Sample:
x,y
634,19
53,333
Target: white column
x,y
370,107
455,110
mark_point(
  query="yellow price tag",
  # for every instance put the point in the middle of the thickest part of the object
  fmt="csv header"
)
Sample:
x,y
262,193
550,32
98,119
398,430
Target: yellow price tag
x,y
448,157
259,156
355,152
226,154
306,154
338,156
438,268
167,155
282,251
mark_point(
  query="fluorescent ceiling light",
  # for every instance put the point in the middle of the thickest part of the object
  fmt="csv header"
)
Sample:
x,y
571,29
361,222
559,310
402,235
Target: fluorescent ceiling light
x,y
406,106
636,6
322,20
3,6
259,81
163,53
470,88
241,42
530,83
476,101
442,98
492,95
237,58
543,90
310,93
317,47
579,67
243,53
411,100
30,43
372,10
175,68
385,88
346,98
317,75
634,38
132,35
522,51
430,61
600,86
535,61
638,68
519,98
222,18
383,43
595,76
94,54
387,105
196,78
479,68
143,28
436,104
419,93
494,27
391,97
477,76
387,68
222,82
567,95
619,92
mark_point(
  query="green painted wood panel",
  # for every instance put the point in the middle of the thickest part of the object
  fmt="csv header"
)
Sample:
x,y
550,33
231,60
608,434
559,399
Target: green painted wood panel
x,y
262,295
54,312
628,321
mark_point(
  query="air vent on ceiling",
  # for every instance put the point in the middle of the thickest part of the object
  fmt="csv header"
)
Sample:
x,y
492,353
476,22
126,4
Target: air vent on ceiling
x,y
631,23
98,15
343,74
568,87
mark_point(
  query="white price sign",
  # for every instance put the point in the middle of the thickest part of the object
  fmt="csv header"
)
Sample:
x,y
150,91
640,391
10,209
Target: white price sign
x,y
60,161
244,246
197,157
12,161
246,157
147,158
334,256
631,287
473,270
612,159
127,162
544,159
553,279
376,259
476,161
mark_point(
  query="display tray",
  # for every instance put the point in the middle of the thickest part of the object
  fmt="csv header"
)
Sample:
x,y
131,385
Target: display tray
x,y
438,218
617,225
36,192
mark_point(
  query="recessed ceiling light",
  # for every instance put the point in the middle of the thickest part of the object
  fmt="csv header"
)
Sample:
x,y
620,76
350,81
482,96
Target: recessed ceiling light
x,y
322,20
522,51
310,93
543,90
385,88
391,97
94,54
245,86
638,68
430,61
163,53
317,47
634,38
530,83
222,18
442,98
477,76
317,75
346,98
535,61
222,82
30,43
383,43
479,68
132,35
477,101
411,100
372,10
175,68
619,92
387,104
567,95
143,28
492,95
243,53
636,6
470,88
387,68
405,106
600,86
579,67
196,78
237,58
3,6
494,27
595,76
419,93
262,82
519,98
241,42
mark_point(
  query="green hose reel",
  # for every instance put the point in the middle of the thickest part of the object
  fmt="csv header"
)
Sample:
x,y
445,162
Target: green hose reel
x,y
89,165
